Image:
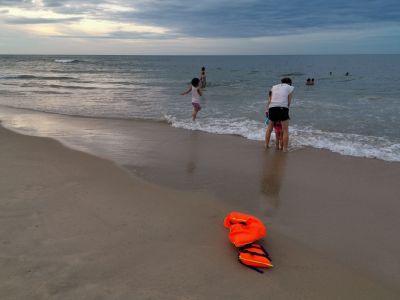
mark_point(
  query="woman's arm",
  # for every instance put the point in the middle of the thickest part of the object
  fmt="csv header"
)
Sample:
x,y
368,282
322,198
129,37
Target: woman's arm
x,y
289,99
269,98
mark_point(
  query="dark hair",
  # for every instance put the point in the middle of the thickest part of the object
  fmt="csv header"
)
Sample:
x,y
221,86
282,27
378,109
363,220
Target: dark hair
x,y
286,80
270,93
203,68
195,82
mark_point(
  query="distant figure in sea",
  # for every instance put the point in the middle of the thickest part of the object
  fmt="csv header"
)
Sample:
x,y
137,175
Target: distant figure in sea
x,y
310,81
203,78
347,74
196,94
278,110
330,73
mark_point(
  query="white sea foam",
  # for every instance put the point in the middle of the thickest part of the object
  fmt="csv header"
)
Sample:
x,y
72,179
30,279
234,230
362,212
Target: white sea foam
x,y
300,137
66,61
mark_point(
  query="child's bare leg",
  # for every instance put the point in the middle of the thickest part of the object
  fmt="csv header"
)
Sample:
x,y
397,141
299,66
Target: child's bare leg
x,y
194,113
277,140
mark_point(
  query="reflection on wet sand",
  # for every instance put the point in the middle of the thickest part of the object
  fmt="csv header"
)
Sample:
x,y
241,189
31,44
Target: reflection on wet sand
x,y
272,172
191,164
226,166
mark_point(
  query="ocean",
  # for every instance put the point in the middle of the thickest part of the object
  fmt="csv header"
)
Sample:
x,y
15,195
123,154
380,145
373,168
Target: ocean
x,y
355,115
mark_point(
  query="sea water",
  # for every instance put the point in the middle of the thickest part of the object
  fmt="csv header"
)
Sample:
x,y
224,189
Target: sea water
x,y
357,114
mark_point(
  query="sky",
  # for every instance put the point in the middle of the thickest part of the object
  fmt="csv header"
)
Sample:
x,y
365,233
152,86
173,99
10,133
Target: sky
x,y
178,27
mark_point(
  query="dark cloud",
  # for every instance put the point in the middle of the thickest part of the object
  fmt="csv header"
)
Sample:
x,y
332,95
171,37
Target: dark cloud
x,y
139,35
234,18
261,18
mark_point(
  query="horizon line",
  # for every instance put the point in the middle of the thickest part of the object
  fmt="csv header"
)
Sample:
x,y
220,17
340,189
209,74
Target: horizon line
x,y
313,54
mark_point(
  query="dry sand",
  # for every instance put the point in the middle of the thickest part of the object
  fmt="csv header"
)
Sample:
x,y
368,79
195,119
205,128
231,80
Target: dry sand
x,y
74,226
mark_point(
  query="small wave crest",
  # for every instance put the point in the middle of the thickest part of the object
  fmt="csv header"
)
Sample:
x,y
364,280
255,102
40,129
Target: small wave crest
x,y
346,143
300,137
227,83
33,77
57,86
66,61
292,74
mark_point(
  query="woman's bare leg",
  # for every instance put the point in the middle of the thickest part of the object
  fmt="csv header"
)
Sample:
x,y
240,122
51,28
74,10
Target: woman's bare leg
x,y
268,132
285,129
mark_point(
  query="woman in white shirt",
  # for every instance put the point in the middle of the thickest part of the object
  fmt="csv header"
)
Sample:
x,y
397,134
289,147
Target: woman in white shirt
x,y
278,110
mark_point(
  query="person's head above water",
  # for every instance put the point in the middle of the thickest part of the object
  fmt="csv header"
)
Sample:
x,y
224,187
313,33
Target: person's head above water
x,y
195,82
203,68
286,80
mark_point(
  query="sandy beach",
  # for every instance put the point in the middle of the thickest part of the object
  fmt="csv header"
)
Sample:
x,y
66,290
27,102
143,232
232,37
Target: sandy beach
x,y
78,226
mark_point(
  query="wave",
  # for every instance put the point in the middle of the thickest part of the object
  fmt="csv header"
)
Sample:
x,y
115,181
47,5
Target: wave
x,y
66,61
39,77
82,115
50,93
228,83
346,143
10,93
57,86
300,137
292,74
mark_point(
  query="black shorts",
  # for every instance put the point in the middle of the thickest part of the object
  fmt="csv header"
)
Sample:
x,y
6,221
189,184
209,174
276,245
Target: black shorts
x,y
278,114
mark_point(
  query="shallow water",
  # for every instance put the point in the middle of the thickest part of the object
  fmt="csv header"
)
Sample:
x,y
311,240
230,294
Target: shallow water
x,y
354,115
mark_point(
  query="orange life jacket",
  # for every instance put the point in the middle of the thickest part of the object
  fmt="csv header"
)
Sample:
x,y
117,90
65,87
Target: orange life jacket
x,y
244,229
236,218
255,256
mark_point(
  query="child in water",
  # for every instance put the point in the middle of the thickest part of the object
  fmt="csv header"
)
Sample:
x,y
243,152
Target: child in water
x,y
203,78
196,93
278,132
278,135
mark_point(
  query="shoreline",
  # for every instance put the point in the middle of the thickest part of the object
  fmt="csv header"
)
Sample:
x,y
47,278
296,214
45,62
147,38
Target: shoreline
x,y
75,224
368,153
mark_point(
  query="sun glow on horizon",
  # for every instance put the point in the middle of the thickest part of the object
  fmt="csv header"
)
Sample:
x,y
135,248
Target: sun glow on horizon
x,y
51,23
98,27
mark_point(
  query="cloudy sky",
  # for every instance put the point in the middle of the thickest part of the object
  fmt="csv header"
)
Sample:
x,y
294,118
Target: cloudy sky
x,y
199,27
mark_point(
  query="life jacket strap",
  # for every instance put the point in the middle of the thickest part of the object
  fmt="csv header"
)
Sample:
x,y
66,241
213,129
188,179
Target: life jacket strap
x,y
251,267
258,246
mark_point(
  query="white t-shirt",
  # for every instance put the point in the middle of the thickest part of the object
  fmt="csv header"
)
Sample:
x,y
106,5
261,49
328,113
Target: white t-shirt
x,y
280,93
195,95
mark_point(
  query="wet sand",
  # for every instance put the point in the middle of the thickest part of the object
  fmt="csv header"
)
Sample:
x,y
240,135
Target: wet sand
x,y
75,226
